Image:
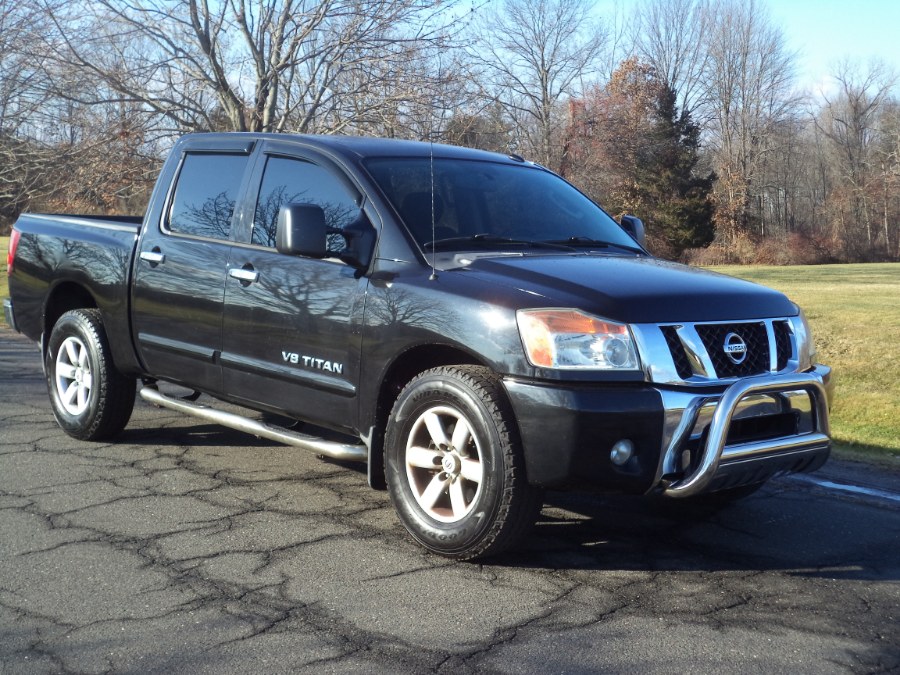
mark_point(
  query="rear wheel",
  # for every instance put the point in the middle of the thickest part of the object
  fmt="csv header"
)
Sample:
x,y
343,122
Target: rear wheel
x,y
455,469
91,399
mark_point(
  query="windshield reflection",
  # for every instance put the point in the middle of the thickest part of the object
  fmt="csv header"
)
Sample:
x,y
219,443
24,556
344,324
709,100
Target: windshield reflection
x,y
474,201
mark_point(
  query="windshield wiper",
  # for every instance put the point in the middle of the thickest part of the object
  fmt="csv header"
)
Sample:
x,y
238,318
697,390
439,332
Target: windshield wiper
x,y
485,240
587,242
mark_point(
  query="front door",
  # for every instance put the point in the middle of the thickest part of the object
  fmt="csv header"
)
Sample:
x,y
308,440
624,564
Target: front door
x,y
291,330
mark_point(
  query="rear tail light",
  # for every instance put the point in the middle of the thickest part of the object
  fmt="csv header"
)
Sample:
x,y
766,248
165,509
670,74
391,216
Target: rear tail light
x,y
11,254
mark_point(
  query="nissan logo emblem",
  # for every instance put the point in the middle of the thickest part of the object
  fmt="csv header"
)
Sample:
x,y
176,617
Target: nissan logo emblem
x,y
735,348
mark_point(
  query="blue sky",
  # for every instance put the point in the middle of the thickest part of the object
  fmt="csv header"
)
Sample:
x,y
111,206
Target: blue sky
x,y
823,32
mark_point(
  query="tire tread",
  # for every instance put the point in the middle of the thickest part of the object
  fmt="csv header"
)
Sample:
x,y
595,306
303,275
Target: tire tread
x,y
116,393
520,502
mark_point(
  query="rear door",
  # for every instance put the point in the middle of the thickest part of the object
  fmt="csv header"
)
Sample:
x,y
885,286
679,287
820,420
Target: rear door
x,y
292,327
179,275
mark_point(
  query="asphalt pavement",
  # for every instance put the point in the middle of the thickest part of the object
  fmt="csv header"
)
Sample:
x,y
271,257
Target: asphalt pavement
x,y
185,547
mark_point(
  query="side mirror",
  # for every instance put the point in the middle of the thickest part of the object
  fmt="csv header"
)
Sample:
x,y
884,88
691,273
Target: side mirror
x,y
635,228
301,230
360,237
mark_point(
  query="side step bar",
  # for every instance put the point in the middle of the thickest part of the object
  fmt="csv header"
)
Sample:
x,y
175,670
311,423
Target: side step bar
x,y
342,451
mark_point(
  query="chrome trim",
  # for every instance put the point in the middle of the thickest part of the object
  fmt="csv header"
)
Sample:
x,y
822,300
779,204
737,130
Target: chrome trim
x,y
687,420
728,404
86,222
341,451
153,257
9,315
653,353
799,344
696,352
773,346
787,444
659,364
688,413
248,276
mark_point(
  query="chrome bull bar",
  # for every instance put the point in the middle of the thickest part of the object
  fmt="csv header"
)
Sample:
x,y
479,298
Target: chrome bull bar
x,y
715,451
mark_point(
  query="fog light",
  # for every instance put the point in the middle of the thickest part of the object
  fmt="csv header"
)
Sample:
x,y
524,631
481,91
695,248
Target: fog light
x,y
621,452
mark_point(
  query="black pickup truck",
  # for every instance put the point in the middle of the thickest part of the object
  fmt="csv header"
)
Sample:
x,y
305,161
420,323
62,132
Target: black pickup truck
x,y
467,323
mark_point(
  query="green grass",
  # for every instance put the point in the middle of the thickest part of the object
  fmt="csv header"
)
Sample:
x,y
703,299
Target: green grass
x,y
4,289
854,311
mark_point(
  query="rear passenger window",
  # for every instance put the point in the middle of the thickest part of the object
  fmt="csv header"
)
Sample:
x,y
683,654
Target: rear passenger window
x,y
205,194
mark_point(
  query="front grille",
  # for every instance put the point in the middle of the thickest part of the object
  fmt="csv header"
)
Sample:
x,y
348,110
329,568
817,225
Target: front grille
x,y
754,336
782,343
682,365
763,427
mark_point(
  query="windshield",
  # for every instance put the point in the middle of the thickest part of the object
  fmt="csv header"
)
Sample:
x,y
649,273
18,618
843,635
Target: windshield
x,y
478,204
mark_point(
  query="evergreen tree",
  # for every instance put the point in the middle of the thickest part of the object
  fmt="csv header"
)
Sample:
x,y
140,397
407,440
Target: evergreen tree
x,y
635,153
681,208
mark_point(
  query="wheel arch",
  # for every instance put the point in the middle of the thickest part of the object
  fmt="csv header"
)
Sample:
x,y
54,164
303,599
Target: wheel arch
x,y
403,369
63,298
68,295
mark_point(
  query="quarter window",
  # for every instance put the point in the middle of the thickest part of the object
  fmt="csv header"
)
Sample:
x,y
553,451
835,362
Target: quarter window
x,y
205,194
294,181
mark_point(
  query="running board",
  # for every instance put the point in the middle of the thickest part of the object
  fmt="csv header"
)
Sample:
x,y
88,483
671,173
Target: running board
x,y
343,451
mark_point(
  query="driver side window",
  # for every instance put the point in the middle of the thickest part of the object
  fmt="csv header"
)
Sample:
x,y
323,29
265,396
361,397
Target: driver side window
x,y
296,181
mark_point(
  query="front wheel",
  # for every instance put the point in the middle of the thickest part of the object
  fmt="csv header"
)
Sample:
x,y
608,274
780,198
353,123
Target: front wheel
x,y
455,469
91,399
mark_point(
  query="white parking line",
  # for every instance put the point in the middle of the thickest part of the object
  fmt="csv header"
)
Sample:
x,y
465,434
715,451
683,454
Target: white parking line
x,y
843,487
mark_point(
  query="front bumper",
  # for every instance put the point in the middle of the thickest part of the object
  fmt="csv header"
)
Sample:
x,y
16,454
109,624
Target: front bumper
x,y
686,440
8,313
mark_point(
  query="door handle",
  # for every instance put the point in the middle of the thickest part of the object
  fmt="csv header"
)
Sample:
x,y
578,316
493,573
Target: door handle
x,y
245,276
153,257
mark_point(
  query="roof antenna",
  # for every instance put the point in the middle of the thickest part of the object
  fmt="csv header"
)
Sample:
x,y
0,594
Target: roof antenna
x,y
431,166
433,226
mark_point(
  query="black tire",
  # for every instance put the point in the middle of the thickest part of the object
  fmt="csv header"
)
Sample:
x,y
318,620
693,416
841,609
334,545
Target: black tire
x,y
454,464
91,399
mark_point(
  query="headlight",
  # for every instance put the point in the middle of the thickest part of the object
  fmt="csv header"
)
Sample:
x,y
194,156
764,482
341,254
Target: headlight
x,y
806,346
568,339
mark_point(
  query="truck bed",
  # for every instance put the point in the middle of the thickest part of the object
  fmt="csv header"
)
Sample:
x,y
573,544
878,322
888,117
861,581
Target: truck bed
x,y
94,252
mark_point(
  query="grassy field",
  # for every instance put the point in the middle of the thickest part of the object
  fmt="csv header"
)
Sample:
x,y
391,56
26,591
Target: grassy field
x,y
854,311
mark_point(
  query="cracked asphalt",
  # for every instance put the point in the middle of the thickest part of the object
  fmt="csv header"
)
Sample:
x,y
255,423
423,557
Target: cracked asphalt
x,y
185,547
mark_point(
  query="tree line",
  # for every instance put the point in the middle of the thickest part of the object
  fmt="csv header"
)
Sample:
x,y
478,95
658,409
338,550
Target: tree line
x,y
686,113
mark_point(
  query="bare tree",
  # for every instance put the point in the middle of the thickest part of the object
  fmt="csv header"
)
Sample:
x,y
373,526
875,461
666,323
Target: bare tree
x,y
23,158
420,102
55,153
749,93
251,65
670,36
889,155
534,54
854,123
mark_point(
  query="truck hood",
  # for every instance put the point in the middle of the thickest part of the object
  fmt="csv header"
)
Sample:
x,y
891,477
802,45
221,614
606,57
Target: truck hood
x,y
632,290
